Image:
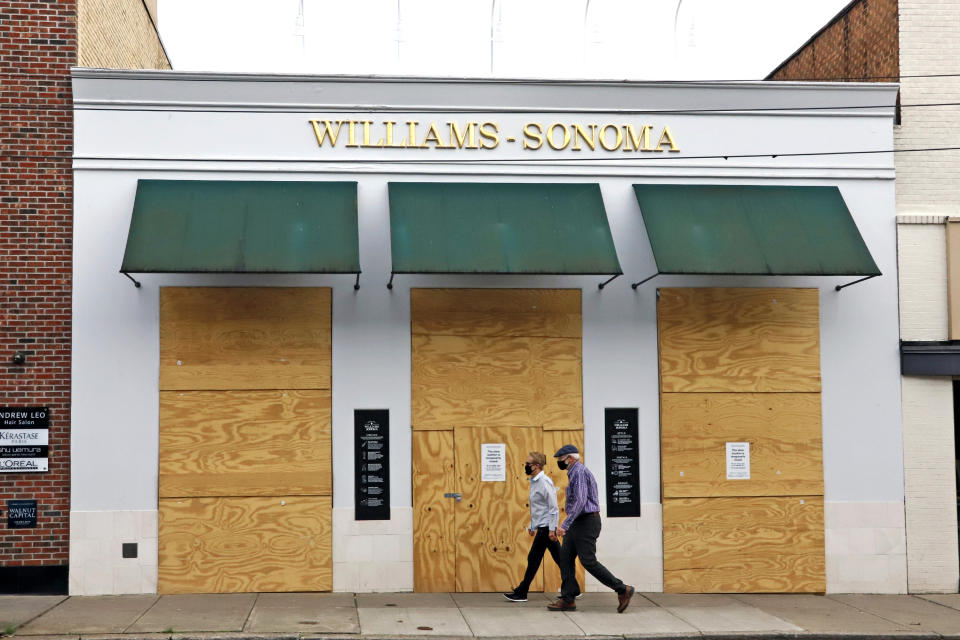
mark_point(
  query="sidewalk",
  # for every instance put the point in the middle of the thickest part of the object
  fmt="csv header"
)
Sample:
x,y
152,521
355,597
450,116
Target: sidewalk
x,y
277,616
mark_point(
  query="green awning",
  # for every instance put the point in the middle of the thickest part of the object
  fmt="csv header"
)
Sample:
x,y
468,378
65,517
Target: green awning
x,y
752,230
483,227
187,226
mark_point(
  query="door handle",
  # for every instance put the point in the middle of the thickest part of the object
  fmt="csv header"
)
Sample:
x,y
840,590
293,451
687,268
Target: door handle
x,y
456,496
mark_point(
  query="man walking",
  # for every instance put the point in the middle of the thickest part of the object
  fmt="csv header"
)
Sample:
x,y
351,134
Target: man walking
x,y
580,531
544,514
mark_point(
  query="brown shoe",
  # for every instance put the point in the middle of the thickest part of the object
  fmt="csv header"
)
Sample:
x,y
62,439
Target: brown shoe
x,y
624,598
562,605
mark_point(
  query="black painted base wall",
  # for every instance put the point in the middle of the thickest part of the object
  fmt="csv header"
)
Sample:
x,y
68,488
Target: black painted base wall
x,y
34,580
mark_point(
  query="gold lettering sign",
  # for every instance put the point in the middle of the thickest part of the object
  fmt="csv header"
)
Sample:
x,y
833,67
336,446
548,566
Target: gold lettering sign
x,y
534,136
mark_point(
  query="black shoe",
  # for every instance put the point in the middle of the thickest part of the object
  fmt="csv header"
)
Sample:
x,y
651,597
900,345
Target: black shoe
x,y
513,596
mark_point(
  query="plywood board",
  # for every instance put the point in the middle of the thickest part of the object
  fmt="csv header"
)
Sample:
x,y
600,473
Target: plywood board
x,y
779,574
552,441
434,537
490,381
754,340
244,443
783,429
496,312
214,338
759,544
227,545
492,518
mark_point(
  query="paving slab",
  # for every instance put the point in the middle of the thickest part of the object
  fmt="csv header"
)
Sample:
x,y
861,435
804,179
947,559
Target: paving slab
x,y
120,636
607,601
819,614
635,621
908,611
496,600
715,613
951,600
408,600
90,614
16,610
538,623
218,635
197,612
412,621
304,612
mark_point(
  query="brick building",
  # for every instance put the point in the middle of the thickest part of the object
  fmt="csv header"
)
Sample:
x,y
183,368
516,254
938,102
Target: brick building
x,y
915,42
39,43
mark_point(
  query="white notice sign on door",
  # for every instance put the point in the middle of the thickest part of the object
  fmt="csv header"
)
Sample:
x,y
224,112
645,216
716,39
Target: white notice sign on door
x,y
493,460
738,461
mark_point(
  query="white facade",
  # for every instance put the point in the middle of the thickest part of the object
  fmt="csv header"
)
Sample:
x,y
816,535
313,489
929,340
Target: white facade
x,y
928,191
134,125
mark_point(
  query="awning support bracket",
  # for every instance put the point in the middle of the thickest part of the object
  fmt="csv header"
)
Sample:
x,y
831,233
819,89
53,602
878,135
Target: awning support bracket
x,y
390,284
850,284
135,283
606,282
637,284
356,285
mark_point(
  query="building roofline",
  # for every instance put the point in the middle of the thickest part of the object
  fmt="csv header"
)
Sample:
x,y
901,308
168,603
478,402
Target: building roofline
x,y
816,35
208,76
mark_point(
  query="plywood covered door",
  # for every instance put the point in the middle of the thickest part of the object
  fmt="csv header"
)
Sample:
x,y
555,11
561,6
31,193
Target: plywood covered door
x,y
491,517
488,366
741,366
245,480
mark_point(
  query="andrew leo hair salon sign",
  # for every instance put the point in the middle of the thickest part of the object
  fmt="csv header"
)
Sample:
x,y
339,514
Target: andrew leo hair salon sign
x,y
24,441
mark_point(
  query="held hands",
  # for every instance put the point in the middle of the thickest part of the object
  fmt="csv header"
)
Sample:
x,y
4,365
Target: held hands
x,y
561,531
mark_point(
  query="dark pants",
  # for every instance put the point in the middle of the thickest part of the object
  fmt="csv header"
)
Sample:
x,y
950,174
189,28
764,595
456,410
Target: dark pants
x,y
541,543
581,542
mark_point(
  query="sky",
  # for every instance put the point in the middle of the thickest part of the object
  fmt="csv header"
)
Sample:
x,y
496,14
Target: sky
x,y
592,39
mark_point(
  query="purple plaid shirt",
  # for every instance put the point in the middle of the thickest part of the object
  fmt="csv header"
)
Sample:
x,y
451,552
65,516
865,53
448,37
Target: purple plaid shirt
x,y
582,496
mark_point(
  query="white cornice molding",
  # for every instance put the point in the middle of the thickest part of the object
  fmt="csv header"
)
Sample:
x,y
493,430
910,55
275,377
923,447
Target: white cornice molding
x,y
207,76
143,89
310,108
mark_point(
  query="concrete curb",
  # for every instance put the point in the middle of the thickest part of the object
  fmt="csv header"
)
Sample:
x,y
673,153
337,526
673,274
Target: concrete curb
x,y
778,635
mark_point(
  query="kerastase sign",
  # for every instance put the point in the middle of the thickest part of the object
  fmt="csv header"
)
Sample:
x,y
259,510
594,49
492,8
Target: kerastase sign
x,y
486,136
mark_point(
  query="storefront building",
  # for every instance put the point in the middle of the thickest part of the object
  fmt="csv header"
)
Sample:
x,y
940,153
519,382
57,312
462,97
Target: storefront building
x,y
320,321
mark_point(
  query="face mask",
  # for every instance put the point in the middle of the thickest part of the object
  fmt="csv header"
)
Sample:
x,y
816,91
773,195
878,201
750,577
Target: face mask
x,y
562,464
528,469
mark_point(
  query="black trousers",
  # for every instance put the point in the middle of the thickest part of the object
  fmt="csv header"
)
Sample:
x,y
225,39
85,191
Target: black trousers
x,y
581,542
541,543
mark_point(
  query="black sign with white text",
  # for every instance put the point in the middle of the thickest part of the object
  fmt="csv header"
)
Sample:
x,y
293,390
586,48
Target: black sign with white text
x,y
24,444
622,443
21,514
371,448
